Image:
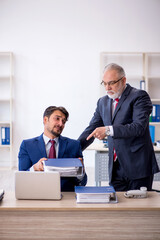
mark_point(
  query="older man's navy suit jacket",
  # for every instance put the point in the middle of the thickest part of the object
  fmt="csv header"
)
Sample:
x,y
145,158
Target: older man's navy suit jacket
x,y
131,139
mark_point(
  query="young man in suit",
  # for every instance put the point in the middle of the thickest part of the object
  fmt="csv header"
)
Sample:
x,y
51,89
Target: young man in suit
x,y
123,116
36,150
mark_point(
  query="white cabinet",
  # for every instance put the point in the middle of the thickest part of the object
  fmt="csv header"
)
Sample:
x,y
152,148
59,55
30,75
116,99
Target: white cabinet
x,y
138,66
152,63
6,76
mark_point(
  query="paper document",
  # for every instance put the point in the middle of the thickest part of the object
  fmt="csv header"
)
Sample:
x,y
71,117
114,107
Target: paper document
x,y
67,167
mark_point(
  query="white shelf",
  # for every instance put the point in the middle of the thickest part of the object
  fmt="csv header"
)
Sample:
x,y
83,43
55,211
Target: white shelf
x,y
153,77
155,99
5,122
5,146
5,100
154,123
6,76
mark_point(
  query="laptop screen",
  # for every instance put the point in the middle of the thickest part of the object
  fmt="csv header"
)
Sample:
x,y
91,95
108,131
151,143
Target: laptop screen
x,y
37,185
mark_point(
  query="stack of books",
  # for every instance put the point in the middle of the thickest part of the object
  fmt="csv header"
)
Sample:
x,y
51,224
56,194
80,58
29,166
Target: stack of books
x,y
95,194
67,167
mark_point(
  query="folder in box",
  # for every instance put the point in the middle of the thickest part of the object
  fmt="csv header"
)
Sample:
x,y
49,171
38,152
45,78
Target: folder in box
x,y
68,167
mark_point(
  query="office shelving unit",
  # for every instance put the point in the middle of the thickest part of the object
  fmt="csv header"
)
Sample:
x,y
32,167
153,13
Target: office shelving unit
x,y
138,66
6,77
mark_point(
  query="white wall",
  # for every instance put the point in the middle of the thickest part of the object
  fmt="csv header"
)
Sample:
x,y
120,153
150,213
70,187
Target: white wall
x,y
57,45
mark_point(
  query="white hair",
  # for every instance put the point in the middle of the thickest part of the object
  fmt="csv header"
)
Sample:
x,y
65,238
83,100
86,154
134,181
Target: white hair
x,y
116,67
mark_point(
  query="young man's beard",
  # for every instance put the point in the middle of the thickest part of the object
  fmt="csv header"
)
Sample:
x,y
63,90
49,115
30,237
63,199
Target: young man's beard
x,y
56,134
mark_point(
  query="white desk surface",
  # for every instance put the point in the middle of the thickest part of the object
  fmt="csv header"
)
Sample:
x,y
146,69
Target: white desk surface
x,y
100,147
68,203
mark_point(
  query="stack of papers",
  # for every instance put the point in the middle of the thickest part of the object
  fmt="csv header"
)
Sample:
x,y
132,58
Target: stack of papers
x,y
67,167
95,194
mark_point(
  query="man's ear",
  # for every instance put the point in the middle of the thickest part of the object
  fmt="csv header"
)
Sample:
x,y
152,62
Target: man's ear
x,y
124,80
45,119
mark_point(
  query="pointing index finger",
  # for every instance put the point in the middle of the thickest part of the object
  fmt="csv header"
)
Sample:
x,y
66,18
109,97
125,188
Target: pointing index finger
x,y
91,135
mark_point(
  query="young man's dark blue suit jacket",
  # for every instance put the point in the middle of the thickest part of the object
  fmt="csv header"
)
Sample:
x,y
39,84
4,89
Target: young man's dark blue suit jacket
x,y
32,150
131,139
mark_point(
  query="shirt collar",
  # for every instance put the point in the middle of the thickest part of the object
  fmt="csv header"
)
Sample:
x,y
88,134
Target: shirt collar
x,y
46,139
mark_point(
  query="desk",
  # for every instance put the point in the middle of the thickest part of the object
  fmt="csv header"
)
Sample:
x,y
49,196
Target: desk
x,y
101,162
65,219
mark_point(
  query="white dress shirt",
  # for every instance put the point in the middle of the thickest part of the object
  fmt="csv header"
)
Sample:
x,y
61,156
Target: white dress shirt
x,y
113,109
48,144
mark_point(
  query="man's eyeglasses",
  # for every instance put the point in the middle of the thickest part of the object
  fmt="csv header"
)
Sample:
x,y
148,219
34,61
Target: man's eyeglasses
x,y
111,83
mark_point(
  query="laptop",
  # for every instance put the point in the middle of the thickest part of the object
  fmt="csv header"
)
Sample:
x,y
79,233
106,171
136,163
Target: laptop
x,y
37,185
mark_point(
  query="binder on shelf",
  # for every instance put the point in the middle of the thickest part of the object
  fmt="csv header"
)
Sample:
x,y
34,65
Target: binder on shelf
x,y
68,167
152,133
142,84
153,114
7,132
156,113
92,194
150,118
5,135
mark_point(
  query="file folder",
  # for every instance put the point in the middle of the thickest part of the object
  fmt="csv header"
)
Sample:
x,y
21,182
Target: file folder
x,y
152,133
5,135
68,167
92,194
156,113
7,131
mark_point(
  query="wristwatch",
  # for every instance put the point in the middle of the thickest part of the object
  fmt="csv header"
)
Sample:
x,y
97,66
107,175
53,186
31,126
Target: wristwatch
x,y
107,131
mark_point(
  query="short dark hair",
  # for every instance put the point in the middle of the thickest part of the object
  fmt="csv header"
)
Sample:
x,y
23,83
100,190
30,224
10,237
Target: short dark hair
x,y
51,109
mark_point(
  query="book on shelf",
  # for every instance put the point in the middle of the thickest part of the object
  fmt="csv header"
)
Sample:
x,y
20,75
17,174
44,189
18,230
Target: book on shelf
x,y
152,133
5,135
68,167
142,84
86,194
155,115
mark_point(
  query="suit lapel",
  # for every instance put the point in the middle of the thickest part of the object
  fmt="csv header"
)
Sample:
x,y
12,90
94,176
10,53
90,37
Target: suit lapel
x,y
41,145
122,99
62,146
110,109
